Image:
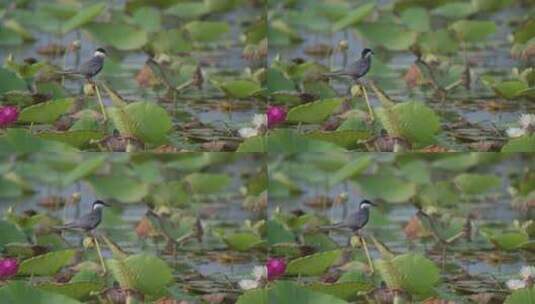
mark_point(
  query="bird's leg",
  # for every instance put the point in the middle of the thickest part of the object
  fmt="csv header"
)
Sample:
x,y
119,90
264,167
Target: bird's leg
x,y
97,245
100,102
363,242
367,102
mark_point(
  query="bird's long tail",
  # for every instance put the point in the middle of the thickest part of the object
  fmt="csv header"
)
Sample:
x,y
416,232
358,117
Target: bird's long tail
x,y
335,73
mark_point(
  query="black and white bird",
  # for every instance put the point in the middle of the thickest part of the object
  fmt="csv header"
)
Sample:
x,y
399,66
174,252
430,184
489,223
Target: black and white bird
x,y
358,68
91,67
88,221
357,219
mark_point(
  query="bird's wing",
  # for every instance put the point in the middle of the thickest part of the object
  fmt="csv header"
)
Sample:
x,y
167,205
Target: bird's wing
x,y
81,222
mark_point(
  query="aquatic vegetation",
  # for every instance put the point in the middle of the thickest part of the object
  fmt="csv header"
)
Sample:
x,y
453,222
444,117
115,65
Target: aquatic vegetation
x,y
177,75
429,239
179,226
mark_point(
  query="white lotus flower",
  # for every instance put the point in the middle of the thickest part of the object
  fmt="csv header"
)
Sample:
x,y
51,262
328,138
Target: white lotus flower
x,y
527,121
259,123
247,132
515,132
248,284
260,272
527,272
515,284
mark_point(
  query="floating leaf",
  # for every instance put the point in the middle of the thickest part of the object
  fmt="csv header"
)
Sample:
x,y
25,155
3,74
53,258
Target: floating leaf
x,y
354,16
289,292
207,182
417,19
509,240
121,188
521,296
82,17
411,120
454,10
46,264
207,31
314,112
76,290
351,169
412,272
345,290
9,233
510,89
524,143
145,273
348,139
476,183
78,139
474,30
387,187
119,35
256,296
21,292
389,35
242,241
314,264
46,112
241,88
146,121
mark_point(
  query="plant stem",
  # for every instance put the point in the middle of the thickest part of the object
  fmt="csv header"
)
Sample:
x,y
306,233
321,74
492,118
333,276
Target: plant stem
x,y
100,103
363,241
367,102
100,254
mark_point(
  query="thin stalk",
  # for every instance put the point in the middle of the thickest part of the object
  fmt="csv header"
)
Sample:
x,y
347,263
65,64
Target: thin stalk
x,y
100,254
100,102
363,241
367,102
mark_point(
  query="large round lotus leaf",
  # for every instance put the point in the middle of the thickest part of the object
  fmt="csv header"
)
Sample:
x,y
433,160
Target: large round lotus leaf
x,y
510,89
509,240
9,37
289,292
76,290
84,16
119,35
354,16
416,18
207,31
146,121
121,188
314,264
411,272
146,273
345,290
411,120
387,187
78,139
454,10
207,182
474,30
242,241
522,296
9,233
46,264
314,112
348,138
20,292
10,82
388,35
254,296
476,183
524,143
46,112
241,88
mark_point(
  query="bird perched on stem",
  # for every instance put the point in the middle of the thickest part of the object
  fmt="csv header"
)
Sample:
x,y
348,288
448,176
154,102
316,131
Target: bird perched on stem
x,y
88,221
356,69
355,220
91,67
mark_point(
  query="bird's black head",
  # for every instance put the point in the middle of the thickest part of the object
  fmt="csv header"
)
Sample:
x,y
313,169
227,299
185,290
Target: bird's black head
x,y
100,52
366,204
366,52
99,204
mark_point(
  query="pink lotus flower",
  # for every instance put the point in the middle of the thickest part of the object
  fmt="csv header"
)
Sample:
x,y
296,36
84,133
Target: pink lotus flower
x,y
8,268
275,115
275,268
8,115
